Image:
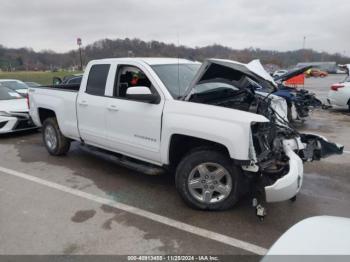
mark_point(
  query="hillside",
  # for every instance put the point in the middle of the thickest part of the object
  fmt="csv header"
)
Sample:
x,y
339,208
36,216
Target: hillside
x,y
27,59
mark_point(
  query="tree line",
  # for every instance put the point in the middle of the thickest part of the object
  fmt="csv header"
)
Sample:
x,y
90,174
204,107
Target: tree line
x,y
27,59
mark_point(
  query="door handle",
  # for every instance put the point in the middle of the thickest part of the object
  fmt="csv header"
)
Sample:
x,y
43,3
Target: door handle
x,y
112,108
83,103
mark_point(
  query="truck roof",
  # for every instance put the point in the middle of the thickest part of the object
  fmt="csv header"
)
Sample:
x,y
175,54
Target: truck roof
x,y
149,60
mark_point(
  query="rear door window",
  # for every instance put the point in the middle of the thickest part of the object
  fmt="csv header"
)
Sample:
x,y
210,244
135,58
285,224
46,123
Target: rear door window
x,y
97,80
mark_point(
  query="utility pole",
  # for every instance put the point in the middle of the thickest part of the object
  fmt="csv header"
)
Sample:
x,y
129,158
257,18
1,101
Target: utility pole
x,y
304,42
304,50
79,43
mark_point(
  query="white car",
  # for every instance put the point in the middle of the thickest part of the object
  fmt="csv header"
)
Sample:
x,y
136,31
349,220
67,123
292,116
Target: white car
x,y
339,95
280,73
316,236
16,85
14,115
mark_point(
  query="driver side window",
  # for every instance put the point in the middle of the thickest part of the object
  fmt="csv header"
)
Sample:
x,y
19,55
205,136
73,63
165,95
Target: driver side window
x,y
127,77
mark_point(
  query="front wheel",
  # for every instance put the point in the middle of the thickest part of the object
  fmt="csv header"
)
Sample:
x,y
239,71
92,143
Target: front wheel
x,y
208,180
55,143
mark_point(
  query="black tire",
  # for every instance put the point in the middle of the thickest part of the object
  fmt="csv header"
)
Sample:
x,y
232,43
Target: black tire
x,y
63,144
197,157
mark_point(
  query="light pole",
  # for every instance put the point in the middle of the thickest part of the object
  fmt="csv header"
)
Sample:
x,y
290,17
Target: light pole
x,y
304,50
304,42
79,43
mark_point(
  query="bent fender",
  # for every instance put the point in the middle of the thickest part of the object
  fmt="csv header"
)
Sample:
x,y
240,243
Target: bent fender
x,y
318,147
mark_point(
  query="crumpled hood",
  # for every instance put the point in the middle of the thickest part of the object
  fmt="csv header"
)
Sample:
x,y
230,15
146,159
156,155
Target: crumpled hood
x,y
256,67
211,67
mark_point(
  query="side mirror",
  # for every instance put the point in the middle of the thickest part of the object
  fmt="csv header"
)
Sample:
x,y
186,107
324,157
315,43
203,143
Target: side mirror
x,y
141,93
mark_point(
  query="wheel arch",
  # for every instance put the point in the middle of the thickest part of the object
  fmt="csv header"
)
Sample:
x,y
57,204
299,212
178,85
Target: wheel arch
x,y
181,144
45,113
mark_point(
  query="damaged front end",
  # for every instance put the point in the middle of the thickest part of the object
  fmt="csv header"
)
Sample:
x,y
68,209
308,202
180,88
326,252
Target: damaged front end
x,y
279,152
300,102
304,101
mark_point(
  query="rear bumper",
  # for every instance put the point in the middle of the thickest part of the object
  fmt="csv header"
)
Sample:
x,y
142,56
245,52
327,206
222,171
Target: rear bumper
x,y
337,99
333,104
289,185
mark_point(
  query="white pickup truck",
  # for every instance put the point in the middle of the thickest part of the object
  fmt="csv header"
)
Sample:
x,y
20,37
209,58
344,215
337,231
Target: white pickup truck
x,y
204,121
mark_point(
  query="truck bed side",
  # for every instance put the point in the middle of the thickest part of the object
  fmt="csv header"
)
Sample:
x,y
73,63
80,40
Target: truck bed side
x,y
47,102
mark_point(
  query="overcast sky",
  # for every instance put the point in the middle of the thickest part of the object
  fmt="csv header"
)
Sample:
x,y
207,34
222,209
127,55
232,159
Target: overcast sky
x,y
266,24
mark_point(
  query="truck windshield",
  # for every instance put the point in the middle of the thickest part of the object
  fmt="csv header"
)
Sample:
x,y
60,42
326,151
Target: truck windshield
x,y
176,77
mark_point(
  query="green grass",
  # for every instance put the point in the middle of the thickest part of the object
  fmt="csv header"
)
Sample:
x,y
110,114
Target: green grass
x,y
43,78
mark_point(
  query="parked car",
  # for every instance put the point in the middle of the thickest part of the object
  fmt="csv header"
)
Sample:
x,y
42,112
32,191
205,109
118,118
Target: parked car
x,y
16,85
68,80
14,115
205,122
32,84
279,73
340,71
321,236
74,79
339,95
299,101
315,72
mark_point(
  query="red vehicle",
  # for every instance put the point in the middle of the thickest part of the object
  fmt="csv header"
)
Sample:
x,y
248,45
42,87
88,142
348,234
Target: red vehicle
x,y
315,72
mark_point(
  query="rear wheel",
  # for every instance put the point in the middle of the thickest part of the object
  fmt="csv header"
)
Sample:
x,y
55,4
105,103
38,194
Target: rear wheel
x,y
55,143
208,180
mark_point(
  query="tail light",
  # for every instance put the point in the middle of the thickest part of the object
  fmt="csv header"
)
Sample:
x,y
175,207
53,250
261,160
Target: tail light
x,y
335,87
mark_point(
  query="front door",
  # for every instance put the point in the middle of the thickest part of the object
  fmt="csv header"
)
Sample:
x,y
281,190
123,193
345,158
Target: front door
x,y
134,127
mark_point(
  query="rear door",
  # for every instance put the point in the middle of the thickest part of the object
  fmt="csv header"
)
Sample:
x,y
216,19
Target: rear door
x,y
91,107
